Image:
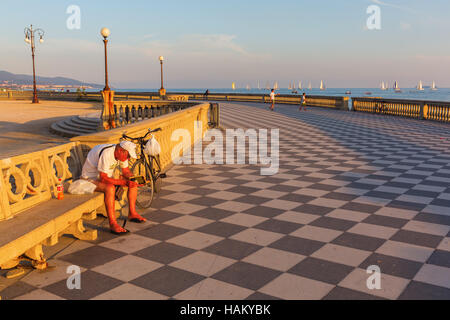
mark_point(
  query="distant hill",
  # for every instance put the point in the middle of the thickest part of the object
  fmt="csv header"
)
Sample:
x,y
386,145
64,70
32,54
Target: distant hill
x,y
22,79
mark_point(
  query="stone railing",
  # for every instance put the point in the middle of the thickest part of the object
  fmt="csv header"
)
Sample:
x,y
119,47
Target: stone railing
x,y
127,112
316,100
49,95
87,96
336,102
29,179
152,96
418,109
195,119
16,95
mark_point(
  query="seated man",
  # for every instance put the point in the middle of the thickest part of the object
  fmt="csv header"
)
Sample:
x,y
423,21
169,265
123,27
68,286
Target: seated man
x,y
99,168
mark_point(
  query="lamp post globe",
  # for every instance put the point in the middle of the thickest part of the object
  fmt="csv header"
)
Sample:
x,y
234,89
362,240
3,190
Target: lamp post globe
x,y
105,32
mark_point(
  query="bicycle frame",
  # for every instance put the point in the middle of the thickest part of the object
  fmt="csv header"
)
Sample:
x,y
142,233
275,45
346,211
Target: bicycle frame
x,y
148,162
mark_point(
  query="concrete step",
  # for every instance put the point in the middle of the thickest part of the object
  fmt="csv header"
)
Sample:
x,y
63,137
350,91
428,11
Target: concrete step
x,y
85,122
74,126
88,120
56,129
69,126
73,122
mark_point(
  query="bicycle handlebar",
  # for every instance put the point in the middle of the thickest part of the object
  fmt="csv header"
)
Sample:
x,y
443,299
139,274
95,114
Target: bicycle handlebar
x,y
141,138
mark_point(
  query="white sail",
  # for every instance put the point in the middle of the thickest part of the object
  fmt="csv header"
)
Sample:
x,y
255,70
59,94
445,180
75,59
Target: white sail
x,y
383,86
248,87
322,86
233,86
396,87
420,86
433,86
300,85
275,86
259,88
267,85
290,87
309,86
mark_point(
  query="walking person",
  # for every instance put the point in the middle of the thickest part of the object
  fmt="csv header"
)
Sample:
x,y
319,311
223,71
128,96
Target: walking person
x,y
303,102
272,99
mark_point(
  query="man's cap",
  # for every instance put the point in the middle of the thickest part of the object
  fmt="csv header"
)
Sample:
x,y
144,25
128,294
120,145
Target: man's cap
x,y
130,147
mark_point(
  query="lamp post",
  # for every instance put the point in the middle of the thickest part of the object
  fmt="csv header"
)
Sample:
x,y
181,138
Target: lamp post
x,y
105,33
162,91
29,38
108,115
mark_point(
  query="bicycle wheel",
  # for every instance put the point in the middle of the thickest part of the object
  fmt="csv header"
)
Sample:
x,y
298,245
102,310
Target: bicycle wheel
x,y
145,193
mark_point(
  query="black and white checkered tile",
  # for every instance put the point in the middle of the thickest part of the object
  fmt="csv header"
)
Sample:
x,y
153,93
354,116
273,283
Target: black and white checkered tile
x,y
353,190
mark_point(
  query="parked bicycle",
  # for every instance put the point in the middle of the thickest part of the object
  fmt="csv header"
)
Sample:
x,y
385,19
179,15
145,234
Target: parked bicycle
x,y
147,167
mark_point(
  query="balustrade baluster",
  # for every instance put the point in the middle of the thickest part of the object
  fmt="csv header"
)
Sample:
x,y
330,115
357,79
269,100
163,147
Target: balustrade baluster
x,y
133,114
152,111
115,116
127,114
121,120
140,115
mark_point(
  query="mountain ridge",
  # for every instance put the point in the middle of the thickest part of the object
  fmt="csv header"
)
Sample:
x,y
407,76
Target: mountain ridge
x,y
23,79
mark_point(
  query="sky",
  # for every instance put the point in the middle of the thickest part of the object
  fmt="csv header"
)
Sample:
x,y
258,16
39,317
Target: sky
x,y
211,43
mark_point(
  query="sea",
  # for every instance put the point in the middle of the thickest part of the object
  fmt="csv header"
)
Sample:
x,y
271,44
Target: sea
x,y
441,94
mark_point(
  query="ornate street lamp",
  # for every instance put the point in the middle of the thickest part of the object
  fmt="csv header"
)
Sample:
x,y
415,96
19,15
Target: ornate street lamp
x,y
108,115
29,38
105,33
162,91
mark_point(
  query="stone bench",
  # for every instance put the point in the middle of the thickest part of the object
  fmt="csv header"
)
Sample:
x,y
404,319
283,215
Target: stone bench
x,y
30,215
22,237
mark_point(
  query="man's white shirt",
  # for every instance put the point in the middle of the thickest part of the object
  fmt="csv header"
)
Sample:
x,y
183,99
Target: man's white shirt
x,y
105,163
272,95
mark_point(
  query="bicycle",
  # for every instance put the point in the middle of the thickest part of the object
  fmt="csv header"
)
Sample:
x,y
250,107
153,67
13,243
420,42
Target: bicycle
x,y
149,167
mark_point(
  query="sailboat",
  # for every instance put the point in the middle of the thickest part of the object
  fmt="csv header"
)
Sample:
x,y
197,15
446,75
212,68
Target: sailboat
x,y
420,86
322,86
275,86
233,86
299,85
309,86
259,88
383,86
248,87
294,89
396,87
267,85
433,86
290,87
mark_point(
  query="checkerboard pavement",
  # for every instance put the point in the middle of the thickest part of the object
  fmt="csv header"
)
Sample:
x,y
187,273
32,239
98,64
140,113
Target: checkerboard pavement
x,y
353,190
